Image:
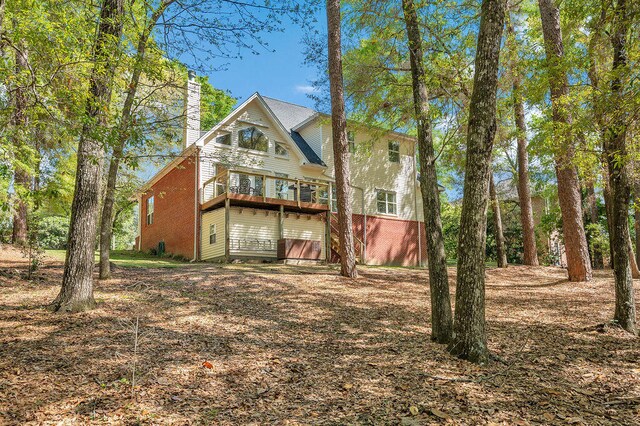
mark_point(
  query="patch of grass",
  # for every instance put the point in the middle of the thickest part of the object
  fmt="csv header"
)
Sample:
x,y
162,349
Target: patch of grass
x,y
131,259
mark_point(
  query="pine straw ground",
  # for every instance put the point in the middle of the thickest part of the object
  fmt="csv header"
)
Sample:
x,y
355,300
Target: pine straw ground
x,y
300,345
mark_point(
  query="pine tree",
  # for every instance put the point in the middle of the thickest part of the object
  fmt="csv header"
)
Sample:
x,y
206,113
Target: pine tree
x,y
340,143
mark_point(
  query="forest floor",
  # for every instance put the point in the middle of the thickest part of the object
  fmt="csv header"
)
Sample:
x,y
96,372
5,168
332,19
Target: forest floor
x,y
275,344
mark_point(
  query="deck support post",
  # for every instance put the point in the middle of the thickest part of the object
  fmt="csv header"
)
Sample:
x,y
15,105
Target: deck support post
x,y
281,223
327,237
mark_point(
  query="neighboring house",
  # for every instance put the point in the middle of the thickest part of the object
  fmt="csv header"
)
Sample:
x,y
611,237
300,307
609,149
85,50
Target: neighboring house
x,y
260,185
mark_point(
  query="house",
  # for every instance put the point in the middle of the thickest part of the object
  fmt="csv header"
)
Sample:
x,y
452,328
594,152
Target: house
x,y
260,185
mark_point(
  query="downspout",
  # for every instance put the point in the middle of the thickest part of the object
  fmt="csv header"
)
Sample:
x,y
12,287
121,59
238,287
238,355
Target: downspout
x,y
196,228
415,201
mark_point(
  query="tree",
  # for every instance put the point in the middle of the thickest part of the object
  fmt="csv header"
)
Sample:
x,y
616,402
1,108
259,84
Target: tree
x,y
575,240
501,251
441,317
19,123
122,135
340,143
76,293
470,339
530,252
616,153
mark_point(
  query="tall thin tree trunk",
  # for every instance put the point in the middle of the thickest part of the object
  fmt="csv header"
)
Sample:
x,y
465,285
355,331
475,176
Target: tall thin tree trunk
x,y
106,222
340,143
636,218
597,261
530,256
635,272
501,250
575,239
76,293
19,132
616,153
470,338
441,316
608,205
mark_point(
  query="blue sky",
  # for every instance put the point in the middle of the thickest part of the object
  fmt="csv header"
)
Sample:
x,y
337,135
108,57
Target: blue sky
x,y
279,74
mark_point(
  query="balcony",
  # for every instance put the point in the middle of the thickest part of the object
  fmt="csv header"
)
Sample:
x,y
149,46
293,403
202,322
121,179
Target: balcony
x,y
264,191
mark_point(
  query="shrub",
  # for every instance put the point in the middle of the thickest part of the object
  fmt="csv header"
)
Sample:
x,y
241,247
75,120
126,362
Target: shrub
x,y
53,231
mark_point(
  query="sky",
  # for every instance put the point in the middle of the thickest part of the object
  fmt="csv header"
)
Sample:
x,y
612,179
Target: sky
x,y
280,74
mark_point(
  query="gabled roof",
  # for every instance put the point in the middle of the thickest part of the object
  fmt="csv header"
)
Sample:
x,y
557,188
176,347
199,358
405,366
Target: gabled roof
x,y
290,115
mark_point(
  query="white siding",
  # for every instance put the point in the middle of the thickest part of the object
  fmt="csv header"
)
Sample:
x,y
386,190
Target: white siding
x,y
211,251
305,227
371,170
258,162
253,224
313,135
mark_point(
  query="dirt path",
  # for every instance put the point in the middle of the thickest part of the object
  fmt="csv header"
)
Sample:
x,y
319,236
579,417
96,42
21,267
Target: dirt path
x,y
288,345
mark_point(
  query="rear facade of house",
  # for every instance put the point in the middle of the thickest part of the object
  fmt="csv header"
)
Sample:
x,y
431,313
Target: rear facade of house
x,y
260,185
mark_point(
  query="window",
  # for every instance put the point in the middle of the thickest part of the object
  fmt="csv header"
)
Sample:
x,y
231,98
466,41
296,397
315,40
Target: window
x,y
224,139
281,149
394,151
351,140
386,202
252,138
212,234
150,210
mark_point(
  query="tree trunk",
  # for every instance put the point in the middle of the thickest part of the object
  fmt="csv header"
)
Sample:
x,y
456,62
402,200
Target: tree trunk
x,y
635,272
524,185
608,204
470,339
636,217
76,293
597,261
501,250
575,239
19,132
441,316
106,222
616,153
340,144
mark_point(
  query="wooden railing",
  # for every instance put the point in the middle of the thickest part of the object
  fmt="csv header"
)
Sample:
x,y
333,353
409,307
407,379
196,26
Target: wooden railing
x,y
265,186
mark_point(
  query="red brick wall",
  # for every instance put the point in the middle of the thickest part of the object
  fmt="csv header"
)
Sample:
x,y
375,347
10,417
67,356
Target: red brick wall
x,y
390,241
173,217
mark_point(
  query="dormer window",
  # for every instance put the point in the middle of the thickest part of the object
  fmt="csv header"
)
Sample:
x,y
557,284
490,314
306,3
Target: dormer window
x,y
281,149
224,139
252,138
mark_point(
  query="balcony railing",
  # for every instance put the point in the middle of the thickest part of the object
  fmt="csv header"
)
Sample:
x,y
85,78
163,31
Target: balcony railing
x,y
269,188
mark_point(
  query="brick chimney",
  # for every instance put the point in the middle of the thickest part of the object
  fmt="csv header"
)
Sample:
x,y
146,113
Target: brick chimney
x,y
192,110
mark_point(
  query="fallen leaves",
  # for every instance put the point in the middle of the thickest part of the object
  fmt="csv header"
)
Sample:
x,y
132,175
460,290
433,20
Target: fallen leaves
x,y
253,344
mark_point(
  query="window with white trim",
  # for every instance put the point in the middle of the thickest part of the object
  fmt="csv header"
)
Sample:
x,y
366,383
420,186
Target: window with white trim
x,y
281,149
224,139
150,203
386,201
252,138
394,151
212,233
351,141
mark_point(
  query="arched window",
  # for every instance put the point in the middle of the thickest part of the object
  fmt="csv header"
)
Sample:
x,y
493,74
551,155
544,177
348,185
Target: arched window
x,y
252,138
